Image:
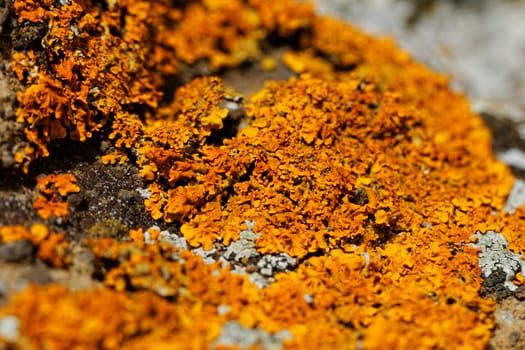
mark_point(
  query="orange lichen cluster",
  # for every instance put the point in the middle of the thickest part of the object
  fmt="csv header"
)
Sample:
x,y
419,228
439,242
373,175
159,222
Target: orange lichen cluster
x,y
88,59
51,247
361,299
53,189
342,169
365,168
54,318
225,32
116,319
99,66
114,158
284,176
285,18
171,273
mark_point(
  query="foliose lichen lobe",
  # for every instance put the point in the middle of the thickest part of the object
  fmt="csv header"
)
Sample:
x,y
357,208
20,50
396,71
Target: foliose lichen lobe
x,y
363,175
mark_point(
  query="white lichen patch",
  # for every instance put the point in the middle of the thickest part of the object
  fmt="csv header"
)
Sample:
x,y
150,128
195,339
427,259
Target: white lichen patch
x,y
233,334
208,256
244,247
494,255
244,250
147,236
259,280
173,239
308,298
143,192
241,256
270,264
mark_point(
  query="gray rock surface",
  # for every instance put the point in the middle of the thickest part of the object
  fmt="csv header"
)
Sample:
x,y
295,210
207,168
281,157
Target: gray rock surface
x,y
480,44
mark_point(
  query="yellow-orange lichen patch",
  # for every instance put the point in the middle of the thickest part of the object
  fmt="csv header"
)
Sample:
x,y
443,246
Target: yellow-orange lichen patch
x,y
104,64
32,10
89,72
297,129
52,190
52,317
204,24
337,168
305,61
319,304
281,306
51,247
114,158
157,267
286,17
366,168
168,152
337,164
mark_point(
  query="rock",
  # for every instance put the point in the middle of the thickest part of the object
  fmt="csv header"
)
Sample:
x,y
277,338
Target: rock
x,y
16,251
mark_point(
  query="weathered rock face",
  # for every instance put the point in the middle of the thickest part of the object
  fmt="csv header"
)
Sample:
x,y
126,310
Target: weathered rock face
x,y
335,208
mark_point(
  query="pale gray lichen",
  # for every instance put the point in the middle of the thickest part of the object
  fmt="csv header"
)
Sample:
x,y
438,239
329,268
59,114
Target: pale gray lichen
x,y
494,256
308,298
173,239
235,334
143,192
208,256
165,236
270,264
259,280
244,250
516,196
239,255
244,247
147,235
426,224
235,269
366,256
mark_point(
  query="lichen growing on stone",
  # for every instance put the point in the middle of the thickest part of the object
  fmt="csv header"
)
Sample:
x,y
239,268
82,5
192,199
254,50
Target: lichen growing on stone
x,y
51,247
53,189
355,185
494,256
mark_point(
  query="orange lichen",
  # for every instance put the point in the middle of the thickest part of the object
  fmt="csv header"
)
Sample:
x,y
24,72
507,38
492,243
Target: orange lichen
x,y
225,32
105,69
438,313
105,319
301,62
52,191
89,72
285,17
114,158
293,144
365,168
51,247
